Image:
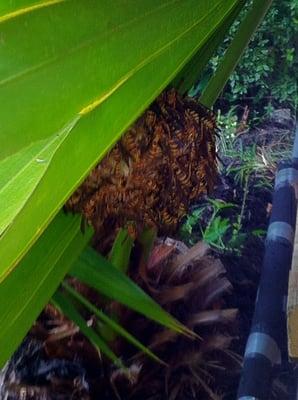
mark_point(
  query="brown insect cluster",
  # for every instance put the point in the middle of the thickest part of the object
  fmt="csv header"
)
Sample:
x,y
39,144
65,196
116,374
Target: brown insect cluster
x,y
163,163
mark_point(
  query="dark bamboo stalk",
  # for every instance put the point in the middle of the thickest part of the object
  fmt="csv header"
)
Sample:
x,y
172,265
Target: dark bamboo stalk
x,y
266,344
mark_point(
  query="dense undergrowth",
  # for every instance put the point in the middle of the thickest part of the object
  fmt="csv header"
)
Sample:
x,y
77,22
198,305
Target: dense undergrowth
x,y
265,77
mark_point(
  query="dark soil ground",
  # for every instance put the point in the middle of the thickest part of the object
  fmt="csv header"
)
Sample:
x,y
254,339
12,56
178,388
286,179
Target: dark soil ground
x,y
31,375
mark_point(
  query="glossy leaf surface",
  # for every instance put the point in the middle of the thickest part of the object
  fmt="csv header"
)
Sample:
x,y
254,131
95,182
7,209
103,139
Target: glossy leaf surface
x,y
55,77
29,287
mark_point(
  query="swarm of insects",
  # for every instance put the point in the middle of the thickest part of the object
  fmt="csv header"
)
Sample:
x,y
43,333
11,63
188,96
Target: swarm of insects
x,y
162,164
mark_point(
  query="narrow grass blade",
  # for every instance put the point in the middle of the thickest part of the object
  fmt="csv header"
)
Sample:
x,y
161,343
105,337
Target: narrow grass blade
x,y
94,270
147,239
60,301
111,323
121,250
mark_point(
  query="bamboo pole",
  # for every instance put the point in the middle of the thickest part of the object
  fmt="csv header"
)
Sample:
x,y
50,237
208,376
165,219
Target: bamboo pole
x,y
292,306
266,344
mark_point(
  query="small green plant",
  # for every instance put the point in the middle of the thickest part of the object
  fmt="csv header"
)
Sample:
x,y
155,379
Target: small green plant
x,y
219,232
248,171
227,124
218,226
192,219
245,161
248,167
215,232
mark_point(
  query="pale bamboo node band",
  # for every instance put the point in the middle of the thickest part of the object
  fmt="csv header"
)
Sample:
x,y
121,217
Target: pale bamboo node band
x,y
280,230
263,344
286,176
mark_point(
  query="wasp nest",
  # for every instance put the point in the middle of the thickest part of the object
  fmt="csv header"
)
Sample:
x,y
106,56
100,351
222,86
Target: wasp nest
x,y
163,163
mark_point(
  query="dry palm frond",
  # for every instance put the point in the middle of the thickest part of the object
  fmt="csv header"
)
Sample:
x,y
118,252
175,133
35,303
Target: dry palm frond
x,y
213,316
191,285
165,161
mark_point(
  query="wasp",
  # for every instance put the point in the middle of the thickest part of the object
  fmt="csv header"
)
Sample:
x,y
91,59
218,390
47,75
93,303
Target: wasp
x,y
208,123
121,169
194,114
155,150
115,153
134,200
131,146
151,200
167,218
191,117
175,149
182,209
171,98
150,119
179,134
75,200
183,178
90,207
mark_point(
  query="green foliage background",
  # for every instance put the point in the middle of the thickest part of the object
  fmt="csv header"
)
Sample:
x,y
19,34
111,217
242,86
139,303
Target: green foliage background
x,y
266,76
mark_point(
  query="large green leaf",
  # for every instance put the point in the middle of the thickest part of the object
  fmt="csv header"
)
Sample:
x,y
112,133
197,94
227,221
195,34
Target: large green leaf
x,y
97,272
20,174
92,67
12,8
29,287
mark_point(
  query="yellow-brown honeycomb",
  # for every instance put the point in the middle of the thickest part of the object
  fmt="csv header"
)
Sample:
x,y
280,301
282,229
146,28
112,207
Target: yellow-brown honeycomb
x,y
161,165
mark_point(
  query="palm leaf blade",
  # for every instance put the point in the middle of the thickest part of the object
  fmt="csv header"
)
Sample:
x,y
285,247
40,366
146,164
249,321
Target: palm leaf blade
x,y
68,83
30,286
97,272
